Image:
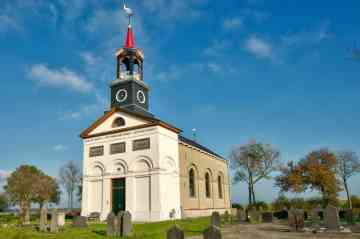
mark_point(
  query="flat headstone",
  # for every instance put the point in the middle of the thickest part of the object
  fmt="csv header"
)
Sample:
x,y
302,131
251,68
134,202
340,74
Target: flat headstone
x,y
267,217
61,218
54,227
332,221
80,222
126,224
215,219
226,217
111,224
212,232
175,233
254,216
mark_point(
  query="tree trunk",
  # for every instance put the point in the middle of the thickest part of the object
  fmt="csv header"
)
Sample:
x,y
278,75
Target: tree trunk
x,y
250,196
253,194
43,217
348,193
27,213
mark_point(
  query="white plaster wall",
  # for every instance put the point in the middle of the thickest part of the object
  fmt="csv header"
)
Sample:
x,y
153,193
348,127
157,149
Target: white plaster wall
x,y
164,183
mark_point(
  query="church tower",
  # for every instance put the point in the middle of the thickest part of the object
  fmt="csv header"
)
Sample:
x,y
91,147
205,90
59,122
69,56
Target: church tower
x,y
128,90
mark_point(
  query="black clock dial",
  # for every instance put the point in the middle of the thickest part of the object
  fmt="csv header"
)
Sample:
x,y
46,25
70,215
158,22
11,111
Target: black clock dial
x,y
141,97
121,95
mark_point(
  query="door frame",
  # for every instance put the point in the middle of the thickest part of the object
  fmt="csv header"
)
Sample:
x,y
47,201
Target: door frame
x,y
112,191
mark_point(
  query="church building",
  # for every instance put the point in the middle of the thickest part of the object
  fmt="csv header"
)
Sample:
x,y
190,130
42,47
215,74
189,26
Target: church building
x,y
137,162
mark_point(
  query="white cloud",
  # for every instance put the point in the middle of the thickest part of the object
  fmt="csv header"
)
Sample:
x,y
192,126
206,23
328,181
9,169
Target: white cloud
x,y
259,47
60,148
89,58
308,37
233,23
9,23
4,174
86,110
61,78
216,48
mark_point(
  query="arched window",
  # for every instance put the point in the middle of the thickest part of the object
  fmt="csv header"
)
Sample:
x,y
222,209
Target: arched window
x,y
192,183
118,122
220,188
207,185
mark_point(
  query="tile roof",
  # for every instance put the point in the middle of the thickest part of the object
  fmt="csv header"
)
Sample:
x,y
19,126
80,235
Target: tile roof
x,y
199,146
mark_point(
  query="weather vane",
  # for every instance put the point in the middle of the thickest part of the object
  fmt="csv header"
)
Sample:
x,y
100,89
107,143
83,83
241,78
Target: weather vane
x,y
128,11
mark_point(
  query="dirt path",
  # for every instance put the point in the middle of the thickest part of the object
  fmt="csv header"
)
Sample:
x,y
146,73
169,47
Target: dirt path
x,y
275,231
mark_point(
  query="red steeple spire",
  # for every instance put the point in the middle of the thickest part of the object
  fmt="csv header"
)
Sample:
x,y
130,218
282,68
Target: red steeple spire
x,y
129,43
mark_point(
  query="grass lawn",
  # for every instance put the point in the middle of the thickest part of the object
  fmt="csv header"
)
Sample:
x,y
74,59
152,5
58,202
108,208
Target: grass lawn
x,y
144,231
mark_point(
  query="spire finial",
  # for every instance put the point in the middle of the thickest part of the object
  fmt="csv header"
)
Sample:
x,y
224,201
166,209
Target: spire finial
x,y
129,43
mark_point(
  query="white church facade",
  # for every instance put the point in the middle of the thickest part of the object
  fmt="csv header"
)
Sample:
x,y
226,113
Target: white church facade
x,y
136,162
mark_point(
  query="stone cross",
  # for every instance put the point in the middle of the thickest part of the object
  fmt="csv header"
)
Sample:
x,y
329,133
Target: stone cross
x,y
215,219
212,232
175,233
111,220
54,227
332,220
80,222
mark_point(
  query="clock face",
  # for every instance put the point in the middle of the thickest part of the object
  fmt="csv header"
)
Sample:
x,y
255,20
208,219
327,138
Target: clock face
x,y
141,97
121,95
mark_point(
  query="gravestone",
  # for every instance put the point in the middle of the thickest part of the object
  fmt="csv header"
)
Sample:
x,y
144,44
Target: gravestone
x,y
54,228
61,218
267,217
254,216
126,224
111,224
240,215
355,228
175,233
226,217
212,232
332,221
215,219
43,220
118,222
350,216
296,219
80,222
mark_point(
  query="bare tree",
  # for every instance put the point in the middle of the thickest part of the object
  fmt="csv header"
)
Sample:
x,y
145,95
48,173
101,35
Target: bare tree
x,y
70,178
348,164
252,163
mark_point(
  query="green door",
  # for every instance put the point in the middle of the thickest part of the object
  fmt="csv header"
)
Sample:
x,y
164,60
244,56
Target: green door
x,y
118,195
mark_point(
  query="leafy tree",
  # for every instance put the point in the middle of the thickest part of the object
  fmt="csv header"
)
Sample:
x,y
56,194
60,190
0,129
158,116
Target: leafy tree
x,y
252,163
317,171
70,178
348,164
21,189
281,203
4,202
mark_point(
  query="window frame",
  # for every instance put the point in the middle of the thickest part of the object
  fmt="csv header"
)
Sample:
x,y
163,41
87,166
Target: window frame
x,y
207,185
148,144
192,183
92,155
120,143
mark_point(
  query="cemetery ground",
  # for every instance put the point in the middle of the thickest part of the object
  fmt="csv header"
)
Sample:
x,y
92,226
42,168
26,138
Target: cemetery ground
x,y
193,229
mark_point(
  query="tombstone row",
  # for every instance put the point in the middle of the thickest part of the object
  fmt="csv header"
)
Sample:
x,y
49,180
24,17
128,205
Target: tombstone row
x,y
212,232
119,225
57,221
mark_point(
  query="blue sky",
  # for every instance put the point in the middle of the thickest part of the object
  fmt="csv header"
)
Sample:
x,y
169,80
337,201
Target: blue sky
x,y
275,71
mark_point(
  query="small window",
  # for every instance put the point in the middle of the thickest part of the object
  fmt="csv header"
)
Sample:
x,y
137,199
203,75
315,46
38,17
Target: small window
x,y
207,185
118,148
220,188
192,183
96,151
141,144
118,122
